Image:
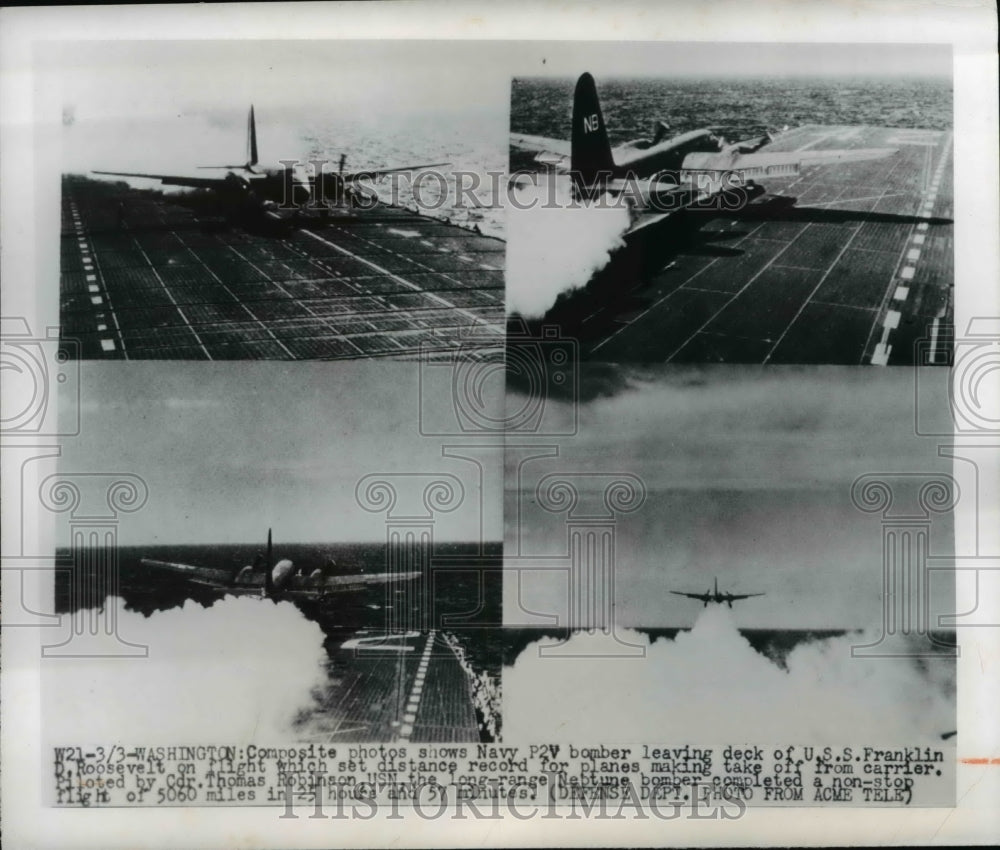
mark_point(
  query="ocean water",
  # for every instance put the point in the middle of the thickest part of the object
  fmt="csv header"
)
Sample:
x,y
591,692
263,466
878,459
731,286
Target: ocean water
x,y
740,107
473,141
472,144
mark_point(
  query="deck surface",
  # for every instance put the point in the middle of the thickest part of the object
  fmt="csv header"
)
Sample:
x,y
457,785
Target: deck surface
x,y
403,687
820,284
144,278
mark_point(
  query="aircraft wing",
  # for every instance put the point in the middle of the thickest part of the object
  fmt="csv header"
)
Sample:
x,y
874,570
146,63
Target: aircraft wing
x,y
210,576
701,597
735,596
340,582
779,163
172,180
309,587
375,173
552,152
540,144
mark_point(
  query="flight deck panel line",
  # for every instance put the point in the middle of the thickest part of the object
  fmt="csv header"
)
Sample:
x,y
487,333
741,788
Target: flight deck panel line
x,y
395,277
682,285
339,728
320,263
425,269
323,320
857,307
745,286
233,295
170,295
822,280
830,268
423,291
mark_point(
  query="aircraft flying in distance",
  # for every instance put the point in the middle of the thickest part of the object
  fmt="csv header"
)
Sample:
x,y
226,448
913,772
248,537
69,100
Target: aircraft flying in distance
x,y
663,174
267,580
254,189
715,596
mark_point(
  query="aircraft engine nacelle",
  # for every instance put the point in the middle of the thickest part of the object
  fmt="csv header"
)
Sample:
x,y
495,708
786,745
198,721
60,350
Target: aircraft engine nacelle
x,y
237,185
281,575
244,576
238,194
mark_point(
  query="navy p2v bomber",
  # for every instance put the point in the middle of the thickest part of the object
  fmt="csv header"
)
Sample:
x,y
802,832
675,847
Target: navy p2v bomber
x,y
251,189
715,596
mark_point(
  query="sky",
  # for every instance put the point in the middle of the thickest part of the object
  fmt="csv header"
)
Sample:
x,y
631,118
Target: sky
x,y
169,106
748,474
172,103
104,79
713,59
229,449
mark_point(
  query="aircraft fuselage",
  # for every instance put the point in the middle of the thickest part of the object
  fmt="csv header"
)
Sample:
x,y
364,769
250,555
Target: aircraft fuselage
x,y
644,158
286,188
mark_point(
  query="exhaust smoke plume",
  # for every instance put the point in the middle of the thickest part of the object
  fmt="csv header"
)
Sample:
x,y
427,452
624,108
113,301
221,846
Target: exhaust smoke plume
x,y
709,685
238,671
557,244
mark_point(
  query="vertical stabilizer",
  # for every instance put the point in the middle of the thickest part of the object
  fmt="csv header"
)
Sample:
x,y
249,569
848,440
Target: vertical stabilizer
x,y
268,565
251,139
590,152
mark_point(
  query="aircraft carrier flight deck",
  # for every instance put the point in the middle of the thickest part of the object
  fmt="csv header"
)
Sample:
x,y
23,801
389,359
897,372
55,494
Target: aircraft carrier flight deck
x,y
857,271
397,687
143,278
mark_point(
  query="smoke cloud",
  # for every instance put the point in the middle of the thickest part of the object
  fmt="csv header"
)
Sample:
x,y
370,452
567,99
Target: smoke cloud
x,y
556,245
709,685
240,670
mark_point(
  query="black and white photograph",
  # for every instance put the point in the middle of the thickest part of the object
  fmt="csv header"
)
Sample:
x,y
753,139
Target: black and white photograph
x,y
228,200
278,563
704,203
499,425
734,554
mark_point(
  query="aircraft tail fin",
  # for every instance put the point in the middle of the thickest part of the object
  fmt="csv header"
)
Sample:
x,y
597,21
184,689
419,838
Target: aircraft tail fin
x,y
268,567
251,139
590,151
251,146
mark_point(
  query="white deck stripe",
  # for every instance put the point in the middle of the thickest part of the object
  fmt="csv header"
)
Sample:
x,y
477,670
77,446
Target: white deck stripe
x,y
396,277
413,703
